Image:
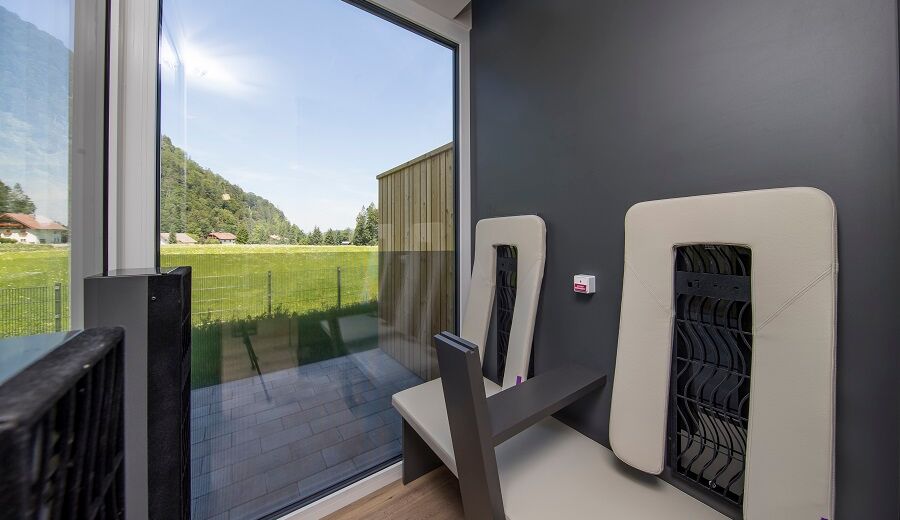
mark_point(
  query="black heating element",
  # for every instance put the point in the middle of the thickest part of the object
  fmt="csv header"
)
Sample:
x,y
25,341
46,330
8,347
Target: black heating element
x,y
504,302
61,433
709,398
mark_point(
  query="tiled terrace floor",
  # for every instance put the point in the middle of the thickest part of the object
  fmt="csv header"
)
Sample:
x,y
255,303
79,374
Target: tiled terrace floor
x,y
260,444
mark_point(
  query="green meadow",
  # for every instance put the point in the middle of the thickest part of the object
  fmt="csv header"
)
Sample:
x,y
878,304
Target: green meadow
x,y
230,282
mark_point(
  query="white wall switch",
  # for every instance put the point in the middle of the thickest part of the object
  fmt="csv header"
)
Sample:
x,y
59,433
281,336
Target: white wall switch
x,y
584,284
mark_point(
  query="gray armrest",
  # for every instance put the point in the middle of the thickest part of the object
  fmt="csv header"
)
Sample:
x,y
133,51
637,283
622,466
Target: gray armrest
x,y
516,408
478,424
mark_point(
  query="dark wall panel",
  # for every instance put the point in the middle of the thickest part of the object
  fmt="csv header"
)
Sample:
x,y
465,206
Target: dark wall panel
x,y
585,107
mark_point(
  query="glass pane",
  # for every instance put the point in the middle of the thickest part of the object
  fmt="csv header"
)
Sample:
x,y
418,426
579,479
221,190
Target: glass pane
x,y
35,64
307,176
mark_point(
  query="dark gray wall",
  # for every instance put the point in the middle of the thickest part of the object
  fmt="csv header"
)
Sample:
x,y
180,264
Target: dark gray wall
x,y
585,107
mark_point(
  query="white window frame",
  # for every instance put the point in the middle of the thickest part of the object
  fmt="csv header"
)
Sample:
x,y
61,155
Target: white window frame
x,y
132,155
133,134
86,157
133,130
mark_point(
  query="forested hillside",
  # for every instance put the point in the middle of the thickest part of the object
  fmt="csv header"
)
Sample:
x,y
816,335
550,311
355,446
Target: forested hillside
x,y
34,114
195,200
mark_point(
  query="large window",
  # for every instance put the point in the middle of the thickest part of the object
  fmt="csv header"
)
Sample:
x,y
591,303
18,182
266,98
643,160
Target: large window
x,y
308,178
36,49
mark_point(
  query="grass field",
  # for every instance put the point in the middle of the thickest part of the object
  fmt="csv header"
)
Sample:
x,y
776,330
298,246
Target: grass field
x,y
229,281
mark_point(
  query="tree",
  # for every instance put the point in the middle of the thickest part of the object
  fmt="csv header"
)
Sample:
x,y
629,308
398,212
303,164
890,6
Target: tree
x,y
14,200
371,226
259,234
328,238
23,204
315,238
4,198
243,236
359,232
173,237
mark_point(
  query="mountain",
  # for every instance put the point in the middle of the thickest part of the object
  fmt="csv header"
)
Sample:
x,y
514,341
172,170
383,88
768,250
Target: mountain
x,y
195,200
34,150
34,114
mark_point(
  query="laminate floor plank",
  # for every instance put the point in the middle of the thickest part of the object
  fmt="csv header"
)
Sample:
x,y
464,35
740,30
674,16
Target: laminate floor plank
x,y
434,496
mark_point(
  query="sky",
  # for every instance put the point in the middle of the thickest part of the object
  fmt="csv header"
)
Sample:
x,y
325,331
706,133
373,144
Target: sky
x,y
302,102
52,16
43,169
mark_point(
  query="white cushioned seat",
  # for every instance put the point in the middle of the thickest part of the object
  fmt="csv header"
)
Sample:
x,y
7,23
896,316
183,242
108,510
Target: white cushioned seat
x,y
792,236
423,406
587,480
424,409
551,471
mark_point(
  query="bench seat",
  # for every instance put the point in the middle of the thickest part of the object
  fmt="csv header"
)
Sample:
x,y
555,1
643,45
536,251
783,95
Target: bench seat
x,y
552,471
423,408
588,481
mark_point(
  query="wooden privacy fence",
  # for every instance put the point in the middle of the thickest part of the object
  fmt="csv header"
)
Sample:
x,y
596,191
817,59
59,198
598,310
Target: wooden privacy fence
x,y
416,268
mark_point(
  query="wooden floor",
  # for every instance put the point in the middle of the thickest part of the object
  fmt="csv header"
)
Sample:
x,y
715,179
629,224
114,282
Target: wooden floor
x,y
434,497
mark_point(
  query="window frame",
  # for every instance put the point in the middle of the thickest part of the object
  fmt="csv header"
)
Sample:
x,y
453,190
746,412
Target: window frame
x,y
133,148
132,187
88,168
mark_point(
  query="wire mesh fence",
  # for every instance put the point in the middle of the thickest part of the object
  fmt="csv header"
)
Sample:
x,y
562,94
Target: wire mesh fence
x,y
255,294
34,310
221,297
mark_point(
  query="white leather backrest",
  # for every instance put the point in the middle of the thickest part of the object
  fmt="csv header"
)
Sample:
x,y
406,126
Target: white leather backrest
x,y
792,235
529,235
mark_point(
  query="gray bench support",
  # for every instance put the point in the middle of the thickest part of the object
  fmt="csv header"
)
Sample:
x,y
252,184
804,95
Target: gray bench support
x,y
478,424
418,457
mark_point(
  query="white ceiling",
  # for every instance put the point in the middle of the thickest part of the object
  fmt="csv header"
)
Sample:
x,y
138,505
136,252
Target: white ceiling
x,y
446,8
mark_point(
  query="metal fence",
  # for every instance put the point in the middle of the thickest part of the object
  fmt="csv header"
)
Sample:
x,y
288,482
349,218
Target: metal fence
x,y
37,310
250,295
34,310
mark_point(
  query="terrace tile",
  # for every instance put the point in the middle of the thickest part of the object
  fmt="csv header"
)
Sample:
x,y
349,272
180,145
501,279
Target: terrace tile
x,y
262,443
346,450
295,471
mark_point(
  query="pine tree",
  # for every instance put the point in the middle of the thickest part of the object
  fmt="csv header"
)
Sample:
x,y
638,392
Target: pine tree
x,y
4,198
315,238
371,226
173,237
359,233
329,238
19,202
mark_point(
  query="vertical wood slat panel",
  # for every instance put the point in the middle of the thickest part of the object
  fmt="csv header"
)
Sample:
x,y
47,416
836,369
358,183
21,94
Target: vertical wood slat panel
x,y
416,268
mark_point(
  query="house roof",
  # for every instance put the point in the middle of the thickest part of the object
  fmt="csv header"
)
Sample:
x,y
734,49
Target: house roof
x,y
181,238
33,221
222,235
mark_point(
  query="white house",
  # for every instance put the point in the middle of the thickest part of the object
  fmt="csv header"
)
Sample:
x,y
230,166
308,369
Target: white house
x,y
223,237
32,229
180,238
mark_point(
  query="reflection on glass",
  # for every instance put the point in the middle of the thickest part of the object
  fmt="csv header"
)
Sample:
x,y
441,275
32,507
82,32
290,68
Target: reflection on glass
x,y
35,64
321,268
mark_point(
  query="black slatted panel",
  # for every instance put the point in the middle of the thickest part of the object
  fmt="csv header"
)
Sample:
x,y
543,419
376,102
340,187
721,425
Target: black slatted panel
x,y
169,382
504,302
712,347
63,442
